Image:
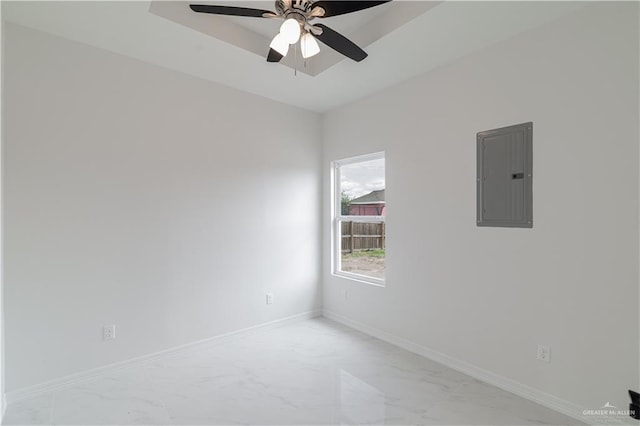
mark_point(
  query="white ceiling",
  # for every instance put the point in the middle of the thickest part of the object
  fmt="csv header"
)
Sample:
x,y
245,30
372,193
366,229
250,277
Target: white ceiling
x,y
439,34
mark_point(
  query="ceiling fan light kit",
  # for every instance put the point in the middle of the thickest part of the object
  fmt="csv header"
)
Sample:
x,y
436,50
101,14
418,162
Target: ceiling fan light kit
x,y
309,46
297,26
290,31
280,45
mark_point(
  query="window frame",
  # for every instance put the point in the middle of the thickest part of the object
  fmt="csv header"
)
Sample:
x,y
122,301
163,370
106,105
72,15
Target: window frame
x,y
337,218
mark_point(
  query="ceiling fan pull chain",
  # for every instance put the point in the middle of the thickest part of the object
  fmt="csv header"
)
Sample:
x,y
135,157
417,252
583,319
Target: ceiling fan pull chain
x,y
295,60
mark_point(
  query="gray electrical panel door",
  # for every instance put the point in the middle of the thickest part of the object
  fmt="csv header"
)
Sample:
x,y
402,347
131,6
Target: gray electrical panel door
x,y
504,181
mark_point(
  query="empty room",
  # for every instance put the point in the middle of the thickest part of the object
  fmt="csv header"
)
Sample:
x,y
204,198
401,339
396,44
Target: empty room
x,y
320,212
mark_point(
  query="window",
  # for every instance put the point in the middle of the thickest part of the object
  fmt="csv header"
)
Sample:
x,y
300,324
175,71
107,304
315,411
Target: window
x,y
359,218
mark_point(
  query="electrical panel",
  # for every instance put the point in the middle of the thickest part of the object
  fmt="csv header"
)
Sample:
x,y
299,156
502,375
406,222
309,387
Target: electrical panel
x,y
504,177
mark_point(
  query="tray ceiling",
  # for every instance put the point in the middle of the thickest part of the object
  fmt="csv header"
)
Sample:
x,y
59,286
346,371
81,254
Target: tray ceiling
x,y
404,39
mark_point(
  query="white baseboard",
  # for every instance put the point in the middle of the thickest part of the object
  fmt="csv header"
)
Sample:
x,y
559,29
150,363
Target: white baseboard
x,y
83,376
550,401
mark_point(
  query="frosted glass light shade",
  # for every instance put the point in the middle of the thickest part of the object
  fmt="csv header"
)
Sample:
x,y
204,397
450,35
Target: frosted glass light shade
x,y
309,46
280,45
290,30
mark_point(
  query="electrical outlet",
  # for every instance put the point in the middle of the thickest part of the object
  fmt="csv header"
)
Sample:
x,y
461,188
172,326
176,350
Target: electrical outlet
x,y
544,353
109,332
269,298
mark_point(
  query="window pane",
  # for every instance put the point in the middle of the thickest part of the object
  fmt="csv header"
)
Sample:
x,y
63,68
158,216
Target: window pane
x,y
362,250
361,193
362,188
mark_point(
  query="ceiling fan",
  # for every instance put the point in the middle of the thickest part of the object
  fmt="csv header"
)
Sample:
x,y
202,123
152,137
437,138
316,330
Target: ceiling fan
x,y
297,26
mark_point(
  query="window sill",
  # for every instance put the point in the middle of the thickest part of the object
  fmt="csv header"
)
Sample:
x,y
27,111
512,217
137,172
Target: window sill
x,y
360,278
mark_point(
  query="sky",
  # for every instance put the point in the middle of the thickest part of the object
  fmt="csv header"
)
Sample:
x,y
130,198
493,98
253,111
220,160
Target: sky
x,y
361,178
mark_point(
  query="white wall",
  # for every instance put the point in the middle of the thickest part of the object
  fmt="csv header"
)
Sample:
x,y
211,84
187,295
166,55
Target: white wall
x,y
138,196
489,296
3,402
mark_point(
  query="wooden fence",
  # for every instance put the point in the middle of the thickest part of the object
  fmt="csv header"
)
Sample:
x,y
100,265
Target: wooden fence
x,y
359,236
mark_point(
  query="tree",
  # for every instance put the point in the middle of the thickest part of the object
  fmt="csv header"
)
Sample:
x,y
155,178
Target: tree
x,y
345,203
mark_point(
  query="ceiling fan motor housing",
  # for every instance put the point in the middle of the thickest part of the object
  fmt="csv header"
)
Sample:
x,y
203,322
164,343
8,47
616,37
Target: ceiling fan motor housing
x,y
283,7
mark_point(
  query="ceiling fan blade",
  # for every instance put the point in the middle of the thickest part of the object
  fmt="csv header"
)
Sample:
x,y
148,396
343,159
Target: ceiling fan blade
x,y
334,8
340,43
274,56
230,10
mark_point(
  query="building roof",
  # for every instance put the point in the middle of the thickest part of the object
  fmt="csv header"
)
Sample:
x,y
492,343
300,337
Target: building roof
x,y
374,197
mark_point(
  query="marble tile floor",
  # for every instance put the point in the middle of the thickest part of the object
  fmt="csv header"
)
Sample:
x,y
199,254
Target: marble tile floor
x,y
310,372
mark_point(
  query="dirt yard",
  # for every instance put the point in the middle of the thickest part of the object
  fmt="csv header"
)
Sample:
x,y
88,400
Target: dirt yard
x,y
363,264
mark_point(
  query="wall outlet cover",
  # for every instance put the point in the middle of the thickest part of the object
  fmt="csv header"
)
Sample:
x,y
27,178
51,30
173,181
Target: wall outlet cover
x,y
109,332
544,353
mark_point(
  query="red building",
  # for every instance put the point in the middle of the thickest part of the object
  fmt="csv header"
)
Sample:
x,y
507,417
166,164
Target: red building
x,y
371,204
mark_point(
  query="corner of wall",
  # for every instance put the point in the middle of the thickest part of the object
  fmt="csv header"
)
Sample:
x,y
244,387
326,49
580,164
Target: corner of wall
x,y
4,406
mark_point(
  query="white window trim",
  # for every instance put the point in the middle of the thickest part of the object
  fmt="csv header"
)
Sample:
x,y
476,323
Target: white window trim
x,y
337,217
